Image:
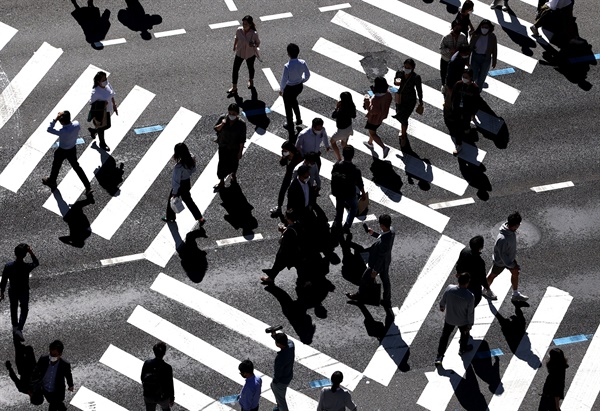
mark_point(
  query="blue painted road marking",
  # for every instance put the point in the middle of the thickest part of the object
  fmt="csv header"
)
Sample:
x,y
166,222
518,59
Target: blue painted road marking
x,y
582,59
149,129
320,383
256,112
486,354
230,399
500,72
572,339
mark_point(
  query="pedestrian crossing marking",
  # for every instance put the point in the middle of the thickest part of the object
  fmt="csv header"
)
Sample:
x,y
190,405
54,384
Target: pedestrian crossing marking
x,y
6,34
87,400
271,78
335,7
241,239
454,203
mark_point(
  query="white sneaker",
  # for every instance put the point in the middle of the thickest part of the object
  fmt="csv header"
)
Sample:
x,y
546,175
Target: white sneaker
x,y
489,294
518,297
457,150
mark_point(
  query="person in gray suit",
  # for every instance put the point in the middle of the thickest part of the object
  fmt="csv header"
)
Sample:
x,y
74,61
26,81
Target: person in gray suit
x,y
380,258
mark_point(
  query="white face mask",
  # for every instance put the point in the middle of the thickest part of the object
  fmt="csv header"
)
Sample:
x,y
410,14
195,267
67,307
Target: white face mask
x,y
484,31
407,70
466,80
317,133
285,153
53,359
104,83
231,117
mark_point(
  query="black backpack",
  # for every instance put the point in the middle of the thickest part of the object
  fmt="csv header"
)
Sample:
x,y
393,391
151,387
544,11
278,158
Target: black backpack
x,y
151,383
342,181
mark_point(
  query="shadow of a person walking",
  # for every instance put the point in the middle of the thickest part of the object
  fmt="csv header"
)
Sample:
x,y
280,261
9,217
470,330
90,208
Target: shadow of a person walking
x,y
109,176
514,330
79,224
239,210
295,312
25,362
193,259
135,19
94,26
255,111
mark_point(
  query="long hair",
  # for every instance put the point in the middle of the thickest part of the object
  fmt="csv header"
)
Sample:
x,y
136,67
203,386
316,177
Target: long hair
x,y
182,155
250,21
97,78
336,379
347,103
557,360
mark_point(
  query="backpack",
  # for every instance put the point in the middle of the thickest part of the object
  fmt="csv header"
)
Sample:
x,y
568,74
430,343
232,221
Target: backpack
x,y
342,181
151,383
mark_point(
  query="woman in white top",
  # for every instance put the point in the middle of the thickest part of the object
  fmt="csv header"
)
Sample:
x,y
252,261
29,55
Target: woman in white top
x,y
335,398
245,45
102,92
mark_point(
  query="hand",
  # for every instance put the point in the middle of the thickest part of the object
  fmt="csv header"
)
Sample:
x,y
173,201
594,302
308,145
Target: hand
x,y
60,113
234,49
240,155
174,195
364,195
373,274
420,104
338,104
71,388
30,250
494,65
371,231
115,108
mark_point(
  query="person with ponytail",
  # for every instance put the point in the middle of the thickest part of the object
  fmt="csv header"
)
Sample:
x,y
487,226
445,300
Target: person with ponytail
x,y
335,398
554,386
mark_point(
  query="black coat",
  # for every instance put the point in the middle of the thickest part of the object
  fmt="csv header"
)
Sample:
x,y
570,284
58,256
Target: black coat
x,y
63,373
296,200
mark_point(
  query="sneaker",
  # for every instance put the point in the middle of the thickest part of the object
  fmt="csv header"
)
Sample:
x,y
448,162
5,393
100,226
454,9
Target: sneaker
x,y
489,294
457,150
465,350
47,182
519,297
535,31
438,360
386,151
369,146
505,8
299,122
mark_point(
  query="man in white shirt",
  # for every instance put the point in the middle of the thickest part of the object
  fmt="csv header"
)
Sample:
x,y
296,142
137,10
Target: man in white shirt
x,y
67,150
310,140
295,73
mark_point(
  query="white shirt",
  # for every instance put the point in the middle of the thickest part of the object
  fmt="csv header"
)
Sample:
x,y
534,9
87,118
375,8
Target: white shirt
x,y
295,72
103,94
558,4
67,135
180,173
309,142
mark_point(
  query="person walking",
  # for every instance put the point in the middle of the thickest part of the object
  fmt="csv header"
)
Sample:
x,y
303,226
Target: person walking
x,y
67,150
231,136
449,46
470,261
157,380
563,9
344,112
284,369
458,303
504,257
409,88
102,105
380,258
485,52
554,386
464,103
289,253
378,108
185,166
295,73
250,394
290,158
245,46
464,18
335,398
49,377
310,139
345,178
299,194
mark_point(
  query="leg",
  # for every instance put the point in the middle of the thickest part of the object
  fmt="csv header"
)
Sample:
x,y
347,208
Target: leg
x,y
443,70
250,64
295,106
483,72
514,279
335,148
150,404
101,133
184,191
377,139
165,405
287,103
13,299
59,156
24,302
476,61
387,288
72,158
365,281
237,63
352,204
443,345
339,211
463,341
496,270
279,393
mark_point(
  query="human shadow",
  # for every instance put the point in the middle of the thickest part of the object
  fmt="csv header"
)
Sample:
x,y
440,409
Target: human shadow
x,y
517,32
487,368
514,331
295,312
193,259
416,168
353,264
108,175
25,363
385,176
239,210
94,25
135,19
79,224
255,110
468,392
476,177
313,287
491,126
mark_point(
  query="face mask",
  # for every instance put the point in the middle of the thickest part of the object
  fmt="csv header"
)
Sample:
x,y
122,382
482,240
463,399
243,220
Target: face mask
x,y
285,153
484,31
53,359
407,71
465,57
231,117
104,83
466,80
317,133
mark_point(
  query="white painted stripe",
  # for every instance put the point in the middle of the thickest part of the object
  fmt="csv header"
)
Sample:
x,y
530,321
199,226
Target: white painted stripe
x,y
555,186
169,33
335,7
441,27
531,351
113,42
415,308
88,400
224,24
241,239
6,34
93,158
410,164
123,259
34,149
250,327
584,388
533,3
143,175
230,5
26,80
416,129
271,78
387,198
276,16
186,396
416,51
440,387
210,356
453,203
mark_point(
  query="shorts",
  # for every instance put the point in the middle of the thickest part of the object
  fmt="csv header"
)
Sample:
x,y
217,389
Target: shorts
x,y
370,126
496,269
342,134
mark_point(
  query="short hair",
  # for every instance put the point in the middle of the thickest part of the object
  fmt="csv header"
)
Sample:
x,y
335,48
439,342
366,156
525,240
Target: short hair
x,y
160,349
302,170
464,278
293,50
246,366
234,107
65,118
337,378
311,156
476,243
468,5
281,339
289,146
455,23
21,250
411,63
380,85
317,121
385,220
56,345
514,219
348,152
464,48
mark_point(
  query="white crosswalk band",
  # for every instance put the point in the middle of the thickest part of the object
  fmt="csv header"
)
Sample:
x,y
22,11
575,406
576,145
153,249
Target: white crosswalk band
x,y
26,80
186,396
411,316
143,175
250,327
531,351
6,34
418,52
584,388
93,157
210,356
87,400
440,387
38,144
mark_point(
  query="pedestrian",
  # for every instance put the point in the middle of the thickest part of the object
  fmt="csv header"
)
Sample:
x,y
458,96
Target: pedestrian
x,y
449,45
312,161
284,369
310,139
457,302
49,377
380,258
561,11
299,193
67,150
464,18
345,179
16,274
231,136
464,103
157,380
554,386
409,88
185,166
504,257
378,107
456,67
289,253
290,158
295,73
485,52
335,398
245,46
344,112
470,261
103,105
250,395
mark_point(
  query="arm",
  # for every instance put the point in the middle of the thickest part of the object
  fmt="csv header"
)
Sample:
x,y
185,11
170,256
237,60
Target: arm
x,y
170,387
256,39
114,103
284,79
505,253
220,123
470,311
51,129
443,301
349,403
3,283
306,73
419,88
34,259
552,4
242,140
176,179
325,139
494,50
235,40
321,399
69,376
444,45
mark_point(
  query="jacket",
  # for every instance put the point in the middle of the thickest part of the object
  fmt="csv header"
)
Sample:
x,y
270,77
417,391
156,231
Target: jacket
x,y
492,46
63,372
449,42
296,200
165,378
380,252
505,249
378,108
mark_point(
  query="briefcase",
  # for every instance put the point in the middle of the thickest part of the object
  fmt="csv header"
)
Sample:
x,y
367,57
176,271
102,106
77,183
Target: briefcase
x,y
372,295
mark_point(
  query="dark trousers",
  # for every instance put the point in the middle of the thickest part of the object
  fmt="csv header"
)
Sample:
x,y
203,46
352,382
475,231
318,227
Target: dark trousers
x,y
367,280
70,155
443,70
184,192
55,403
237,63
100,130
448,328
16,298
340,204
165,405
253,409
290,102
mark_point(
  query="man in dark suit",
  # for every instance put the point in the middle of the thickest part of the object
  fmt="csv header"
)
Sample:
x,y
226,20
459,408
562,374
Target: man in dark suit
x,y
157,380
289,253
49,376
380,258
299,193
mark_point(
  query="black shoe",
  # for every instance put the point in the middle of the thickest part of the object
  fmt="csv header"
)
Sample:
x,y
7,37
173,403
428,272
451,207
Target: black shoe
x,y
47,182
438,360
353,297
299,122
468,348
8,365
93,132
275,212
287,127
104,147
166,220
334,259
273,329
88,191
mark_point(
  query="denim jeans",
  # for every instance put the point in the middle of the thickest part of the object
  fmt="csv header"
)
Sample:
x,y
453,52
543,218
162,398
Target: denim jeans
x,y
340,205
480,63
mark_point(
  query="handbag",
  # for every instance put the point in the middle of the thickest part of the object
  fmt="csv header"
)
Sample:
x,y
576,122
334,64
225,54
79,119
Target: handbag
x,y
177,205
419,110
372,295
363,205
97,114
